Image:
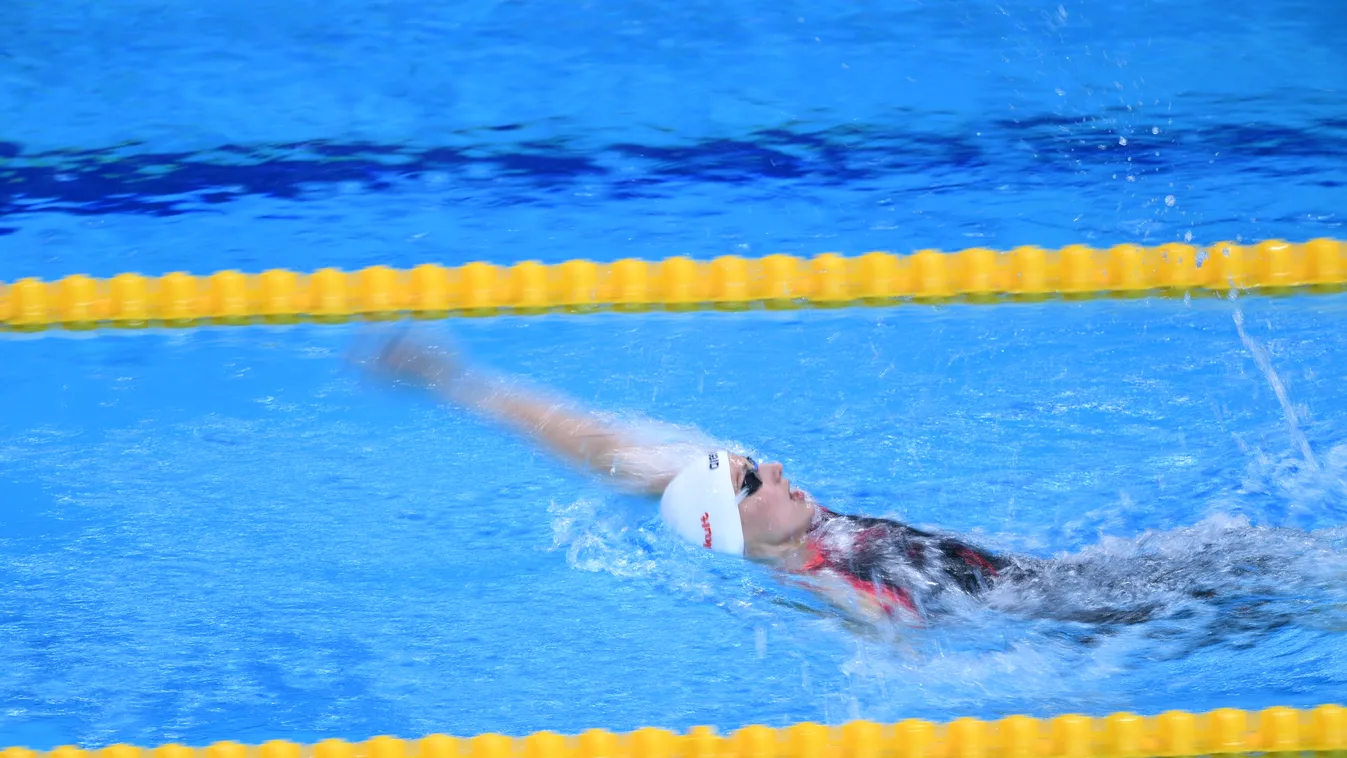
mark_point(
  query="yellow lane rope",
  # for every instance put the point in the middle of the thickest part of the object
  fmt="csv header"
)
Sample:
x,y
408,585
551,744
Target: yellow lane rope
x,y
1274,731
976,275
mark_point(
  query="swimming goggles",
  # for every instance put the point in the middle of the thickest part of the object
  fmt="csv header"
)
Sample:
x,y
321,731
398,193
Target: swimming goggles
x,y
752,482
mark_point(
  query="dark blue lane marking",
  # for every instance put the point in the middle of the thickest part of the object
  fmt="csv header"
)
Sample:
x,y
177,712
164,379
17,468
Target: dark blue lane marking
x,y
130,179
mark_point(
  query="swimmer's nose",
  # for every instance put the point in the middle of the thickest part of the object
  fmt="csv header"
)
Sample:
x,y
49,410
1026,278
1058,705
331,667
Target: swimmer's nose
x,y
774,471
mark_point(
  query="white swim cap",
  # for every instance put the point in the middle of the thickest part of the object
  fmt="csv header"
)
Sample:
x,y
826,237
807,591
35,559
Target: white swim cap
x,y
699,504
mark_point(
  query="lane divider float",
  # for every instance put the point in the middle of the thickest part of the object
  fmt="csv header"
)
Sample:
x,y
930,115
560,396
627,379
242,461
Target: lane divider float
x,y
729,282
1274,731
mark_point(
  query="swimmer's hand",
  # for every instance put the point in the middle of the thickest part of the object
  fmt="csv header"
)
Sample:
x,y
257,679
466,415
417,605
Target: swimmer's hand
x,y
403,358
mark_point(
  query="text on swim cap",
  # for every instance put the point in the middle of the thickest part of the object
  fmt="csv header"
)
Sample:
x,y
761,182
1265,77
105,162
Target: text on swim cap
x,y
715,461
706,529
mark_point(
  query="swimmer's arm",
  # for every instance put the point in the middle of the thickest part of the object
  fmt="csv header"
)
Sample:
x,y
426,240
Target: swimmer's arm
x,y
573,436
576,437
853,604
846,600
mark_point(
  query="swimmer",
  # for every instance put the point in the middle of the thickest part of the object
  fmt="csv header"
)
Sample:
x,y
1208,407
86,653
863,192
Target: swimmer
x,y
874,569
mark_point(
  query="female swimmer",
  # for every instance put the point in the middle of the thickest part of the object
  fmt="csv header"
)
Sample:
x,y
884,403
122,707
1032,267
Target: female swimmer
x,y
1189,588
873,568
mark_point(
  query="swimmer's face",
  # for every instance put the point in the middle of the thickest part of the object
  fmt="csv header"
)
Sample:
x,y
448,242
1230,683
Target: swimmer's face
x,y
775,514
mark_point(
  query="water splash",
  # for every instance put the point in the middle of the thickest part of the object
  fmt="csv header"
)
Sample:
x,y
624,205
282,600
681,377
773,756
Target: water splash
x,y
1282,489
1264,362
598,541
1222,581
1173,609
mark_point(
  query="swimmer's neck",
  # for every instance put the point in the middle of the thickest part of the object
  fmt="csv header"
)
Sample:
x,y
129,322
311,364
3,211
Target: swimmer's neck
x,y
790,555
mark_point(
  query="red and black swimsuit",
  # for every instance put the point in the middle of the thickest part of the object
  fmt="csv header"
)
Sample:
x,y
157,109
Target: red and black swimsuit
x,y
897,565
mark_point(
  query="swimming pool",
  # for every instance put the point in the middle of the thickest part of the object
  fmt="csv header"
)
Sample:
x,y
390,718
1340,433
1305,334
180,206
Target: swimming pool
x,y
224,534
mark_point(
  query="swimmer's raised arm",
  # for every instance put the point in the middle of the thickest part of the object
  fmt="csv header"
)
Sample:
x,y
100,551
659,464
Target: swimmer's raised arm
x,y
572,435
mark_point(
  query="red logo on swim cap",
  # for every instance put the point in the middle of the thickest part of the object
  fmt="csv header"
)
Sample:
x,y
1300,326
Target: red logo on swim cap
x,y
706,527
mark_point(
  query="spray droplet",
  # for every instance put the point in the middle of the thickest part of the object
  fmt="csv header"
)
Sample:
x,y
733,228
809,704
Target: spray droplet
x,y
1264,362
1169,200
1122,140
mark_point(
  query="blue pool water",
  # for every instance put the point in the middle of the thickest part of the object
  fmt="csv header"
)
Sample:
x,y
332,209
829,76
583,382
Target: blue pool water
x,y
227,534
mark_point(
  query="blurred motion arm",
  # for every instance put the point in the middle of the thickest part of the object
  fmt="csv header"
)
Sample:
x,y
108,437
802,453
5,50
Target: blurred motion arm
x,y
572,435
